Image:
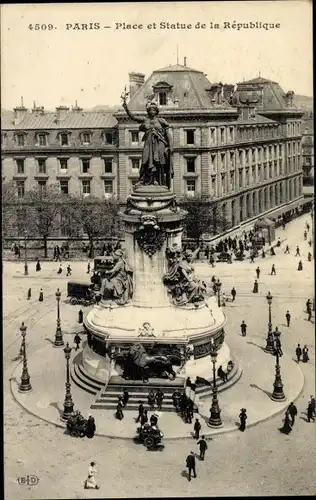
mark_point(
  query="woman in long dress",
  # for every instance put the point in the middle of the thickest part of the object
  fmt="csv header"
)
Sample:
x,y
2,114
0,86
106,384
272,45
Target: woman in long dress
x,y
90,482
286,429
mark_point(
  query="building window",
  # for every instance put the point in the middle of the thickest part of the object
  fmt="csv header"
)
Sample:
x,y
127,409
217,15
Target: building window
x,y
240,157
189,136
63,163
108,137
265,172
213,161
190,165
232,181
214,184
21,188
41,186
64,139
222,135
162,98
232,159
223,181
135,163
86,188
86,138
240,179
135,136
231,134
108,188
190,187
222,160
41,166
21,139
213,135
85,165
64,187
42,139
20,166
108,165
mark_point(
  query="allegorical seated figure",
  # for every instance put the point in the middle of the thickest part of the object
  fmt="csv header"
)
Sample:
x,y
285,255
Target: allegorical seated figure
x,y
180,279
118,283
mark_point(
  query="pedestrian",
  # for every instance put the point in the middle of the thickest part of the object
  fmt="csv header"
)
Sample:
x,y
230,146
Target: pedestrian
x,y
288,318
308,305
242,418
273,271
77,340
313,404
190,463
298,352
80,316
292,410
278,242
272,252
88,268
144,418
305,357
300,266
176,399
60,270
90,482
255,287
233,293
297,252
258,272
287,249
41,295
154,420
263,254
305,235
310,414
119,409
188,413
29,293
224,298
90,427
125,397
182,405
140,411
243,328
151,398
286,429
197,428
212,260
203,447
68,270
159,398
310,242
252,258
221,374
309,257
38,265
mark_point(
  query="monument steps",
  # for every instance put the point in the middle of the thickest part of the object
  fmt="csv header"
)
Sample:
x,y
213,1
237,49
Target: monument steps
x,y
83,380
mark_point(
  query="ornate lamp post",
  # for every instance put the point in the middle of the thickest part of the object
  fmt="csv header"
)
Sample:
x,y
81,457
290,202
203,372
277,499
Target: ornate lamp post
x,y
59,341
215,417
270,338
218,288
278,394
68,403
26,270
25,385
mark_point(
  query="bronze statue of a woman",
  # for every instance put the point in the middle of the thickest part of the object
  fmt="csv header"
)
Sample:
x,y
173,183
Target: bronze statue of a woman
x,y
156,167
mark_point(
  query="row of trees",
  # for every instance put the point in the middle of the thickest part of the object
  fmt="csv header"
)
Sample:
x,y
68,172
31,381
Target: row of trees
x,y
42,212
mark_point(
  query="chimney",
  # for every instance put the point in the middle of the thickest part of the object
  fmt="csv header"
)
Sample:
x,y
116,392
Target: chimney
x,y
62,112
76,108
228,90
136,81
185,61
37,109
20,113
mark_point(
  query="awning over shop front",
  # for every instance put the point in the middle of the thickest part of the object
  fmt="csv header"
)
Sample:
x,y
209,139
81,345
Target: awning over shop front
x,y
286,208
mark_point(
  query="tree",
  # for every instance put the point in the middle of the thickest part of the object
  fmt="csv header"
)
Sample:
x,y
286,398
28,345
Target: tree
x,y
9,209
203,216
42,208
96,218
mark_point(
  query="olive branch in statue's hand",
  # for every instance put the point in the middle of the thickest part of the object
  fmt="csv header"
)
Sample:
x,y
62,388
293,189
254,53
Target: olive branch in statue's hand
x,y
124,96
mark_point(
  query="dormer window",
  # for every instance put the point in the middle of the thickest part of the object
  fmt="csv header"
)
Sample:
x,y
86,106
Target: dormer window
x,y
108,137
20,139
189,136
41,139
162,90
162,98
64,139
86,137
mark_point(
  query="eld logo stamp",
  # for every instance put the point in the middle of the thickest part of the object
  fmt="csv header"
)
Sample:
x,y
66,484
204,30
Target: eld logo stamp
x,y
29,480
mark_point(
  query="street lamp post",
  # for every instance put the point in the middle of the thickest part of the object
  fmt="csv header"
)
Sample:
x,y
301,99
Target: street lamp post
x,y
270,344
278,394
68,402
215,417
59,341
26,270
25,385
218,288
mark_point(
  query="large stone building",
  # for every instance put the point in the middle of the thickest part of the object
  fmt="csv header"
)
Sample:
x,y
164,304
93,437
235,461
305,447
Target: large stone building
x,y
308,157
237,145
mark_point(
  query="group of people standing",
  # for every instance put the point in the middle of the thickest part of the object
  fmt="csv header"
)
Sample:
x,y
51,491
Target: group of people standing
x,y
291,413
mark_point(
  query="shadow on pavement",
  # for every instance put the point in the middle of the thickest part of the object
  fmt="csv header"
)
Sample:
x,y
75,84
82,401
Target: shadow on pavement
x,y
184,473
49,340
255,386
56,406
257,345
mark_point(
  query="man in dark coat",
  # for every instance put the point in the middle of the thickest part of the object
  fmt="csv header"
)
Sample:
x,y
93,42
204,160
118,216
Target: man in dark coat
x,y
221,374
190,462
292,410
203,447
297,252
125,397
288,318
273,271
312,402
140,411
154,420
258,272
197,428
243,328
77,341
90,427
159,398
310,415
233,293
298,352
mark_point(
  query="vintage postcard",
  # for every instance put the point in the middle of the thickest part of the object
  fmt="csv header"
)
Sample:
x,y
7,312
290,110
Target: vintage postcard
x,y
158,249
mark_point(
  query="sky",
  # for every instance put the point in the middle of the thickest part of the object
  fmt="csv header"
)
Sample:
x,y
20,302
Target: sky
x,y
60,65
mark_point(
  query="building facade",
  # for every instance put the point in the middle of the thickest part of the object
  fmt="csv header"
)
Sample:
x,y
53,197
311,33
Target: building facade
x,y
238,145
307,147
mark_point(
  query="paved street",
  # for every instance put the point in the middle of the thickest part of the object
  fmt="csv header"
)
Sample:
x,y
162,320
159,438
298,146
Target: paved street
x,y
260,461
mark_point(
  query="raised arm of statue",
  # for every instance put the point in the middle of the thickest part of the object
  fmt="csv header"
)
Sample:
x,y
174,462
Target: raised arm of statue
x,y
128,112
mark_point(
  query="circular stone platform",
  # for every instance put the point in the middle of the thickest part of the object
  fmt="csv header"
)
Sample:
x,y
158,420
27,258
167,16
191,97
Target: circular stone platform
x,y
252,391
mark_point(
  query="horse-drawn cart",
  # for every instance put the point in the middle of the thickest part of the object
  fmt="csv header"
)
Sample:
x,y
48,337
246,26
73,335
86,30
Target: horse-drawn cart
x,y
80,293
150,436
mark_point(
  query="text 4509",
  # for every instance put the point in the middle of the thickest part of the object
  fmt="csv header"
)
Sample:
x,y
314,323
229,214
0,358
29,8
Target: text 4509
x,y
41,27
